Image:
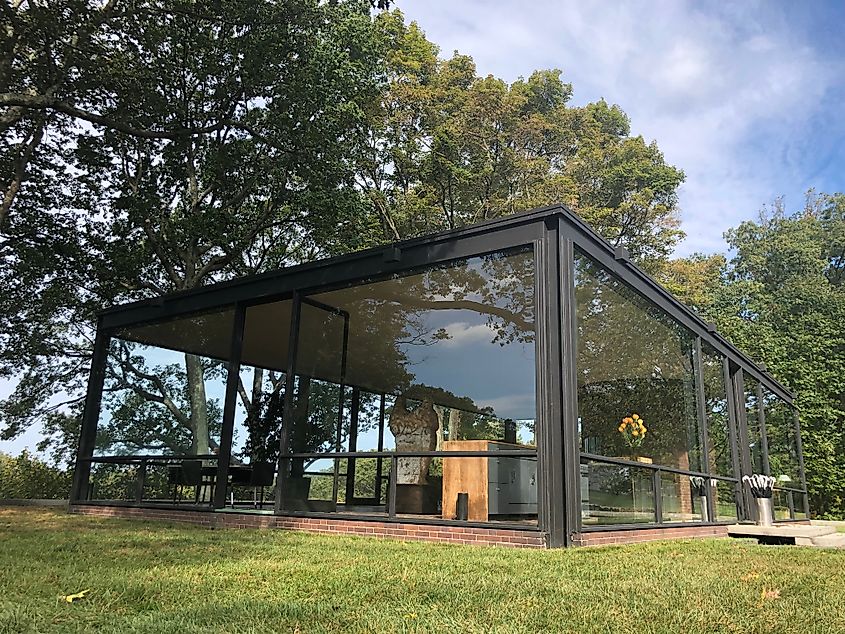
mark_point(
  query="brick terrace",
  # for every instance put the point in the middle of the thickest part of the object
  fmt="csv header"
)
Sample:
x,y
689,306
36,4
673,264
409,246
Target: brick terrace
x,y
395,530
398,530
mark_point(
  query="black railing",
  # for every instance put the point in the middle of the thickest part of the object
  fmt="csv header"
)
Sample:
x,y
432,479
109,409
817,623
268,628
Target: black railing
x,y
657,470
144,461
394,457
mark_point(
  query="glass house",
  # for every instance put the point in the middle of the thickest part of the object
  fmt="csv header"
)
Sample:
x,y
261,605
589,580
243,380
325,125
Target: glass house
x,y
517,374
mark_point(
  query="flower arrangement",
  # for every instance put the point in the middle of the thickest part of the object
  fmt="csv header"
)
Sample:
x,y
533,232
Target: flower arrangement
x,y
633,430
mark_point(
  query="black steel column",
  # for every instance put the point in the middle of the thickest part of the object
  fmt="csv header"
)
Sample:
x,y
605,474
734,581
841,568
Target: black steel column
x,y
548,430
571,468
354,410
90,417
733,436
798,447
764,439
380,448
704,433
224,455
287,415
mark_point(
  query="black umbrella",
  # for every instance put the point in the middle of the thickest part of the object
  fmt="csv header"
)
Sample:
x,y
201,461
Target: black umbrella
x,y
761,485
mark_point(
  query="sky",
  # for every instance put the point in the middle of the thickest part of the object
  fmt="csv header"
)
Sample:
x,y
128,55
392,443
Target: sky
x,y
746,98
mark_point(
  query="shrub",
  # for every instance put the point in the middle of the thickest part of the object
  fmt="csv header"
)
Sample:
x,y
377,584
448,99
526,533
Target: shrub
x,y
27,477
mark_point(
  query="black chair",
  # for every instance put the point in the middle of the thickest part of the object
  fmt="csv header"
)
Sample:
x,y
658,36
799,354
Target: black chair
x,y
188,473
255,476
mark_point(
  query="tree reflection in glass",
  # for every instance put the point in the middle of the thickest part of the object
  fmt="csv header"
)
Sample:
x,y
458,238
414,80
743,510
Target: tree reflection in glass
x,y
633,359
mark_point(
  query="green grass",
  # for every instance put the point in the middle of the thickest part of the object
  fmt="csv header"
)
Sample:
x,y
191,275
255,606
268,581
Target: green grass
x,y
157,577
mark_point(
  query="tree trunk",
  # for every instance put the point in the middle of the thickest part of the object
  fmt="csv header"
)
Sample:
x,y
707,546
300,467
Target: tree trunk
x,y
199,404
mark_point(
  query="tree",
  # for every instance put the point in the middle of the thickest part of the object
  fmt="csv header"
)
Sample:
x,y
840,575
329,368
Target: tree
x,y
251,112
449,148
781,299
160,147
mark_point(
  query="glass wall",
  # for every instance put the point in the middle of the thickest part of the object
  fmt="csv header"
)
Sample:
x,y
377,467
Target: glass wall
x,y
160,418
636,399
636,387
439,360
720,458
752,423
781,441
784,466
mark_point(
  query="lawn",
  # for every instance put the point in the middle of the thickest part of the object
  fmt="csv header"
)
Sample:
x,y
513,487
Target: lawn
x,y
158,577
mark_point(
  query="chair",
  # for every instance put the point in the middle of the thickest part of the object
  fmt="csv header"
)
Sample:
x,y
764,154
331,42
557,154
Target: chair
x,y
263,474
256,476
187,473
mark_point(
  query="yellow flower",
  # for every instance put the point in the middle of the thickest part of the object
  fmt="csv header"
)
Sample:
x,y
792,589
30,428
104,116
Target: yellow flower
x,y
627,421
621,428
635,417
635,433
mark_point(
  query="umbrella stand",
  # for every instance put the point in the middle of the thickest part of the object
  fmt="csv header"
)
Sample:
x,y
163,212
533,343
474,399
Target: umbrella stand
x,y
762,487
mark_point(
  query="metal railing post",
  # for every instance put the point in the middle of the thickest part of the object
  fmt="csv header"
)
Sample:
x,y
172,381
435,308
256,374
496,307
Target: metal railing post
x,y
658,496
391,492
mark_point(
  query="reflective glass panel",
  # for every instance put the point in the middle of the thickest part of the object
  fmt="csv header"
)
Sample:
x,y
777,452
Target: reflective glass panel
x,y
716,409
636,387
616,494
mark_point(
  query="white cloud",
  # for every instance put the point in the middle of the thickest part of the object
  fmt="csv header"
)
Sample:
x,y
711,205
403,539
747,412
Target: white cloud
x,y
731,93
462,334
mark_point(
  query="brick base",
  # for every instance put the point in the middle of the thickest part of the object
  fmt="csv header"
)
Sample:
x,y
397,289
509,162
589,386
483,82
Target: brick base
x,y
395,530
601,538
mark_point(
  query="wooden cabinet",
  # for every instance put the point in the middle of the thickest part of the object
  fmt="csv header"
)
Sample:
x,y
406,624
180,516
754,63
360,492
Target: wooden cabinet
x,y
503,486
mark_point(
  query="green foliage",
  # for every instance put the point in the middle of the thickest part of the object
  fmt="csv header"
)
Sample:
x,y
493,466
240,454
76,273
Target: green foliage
x,y
223,143
449,148
157,148
781,299
26,477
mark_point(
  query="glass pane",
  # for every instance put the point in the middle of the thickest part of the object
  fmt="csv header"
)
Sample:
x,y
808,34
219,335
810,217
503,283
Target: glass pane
x,y
168,480
261,391
780,505
496,489
441,359
113,482
725,500
635,365
614,494
258,416
752,421
798,506
683,498
164,388
456,338
716,409
780,436
321,411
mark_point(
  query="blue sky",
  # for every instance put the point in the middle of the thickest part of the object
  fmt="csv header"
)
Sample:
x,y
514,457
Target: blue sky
x,y
746,97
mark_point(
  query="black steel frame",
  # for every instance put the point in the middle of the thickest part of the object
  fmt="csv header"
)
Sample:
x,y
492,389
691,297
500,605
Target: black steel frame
x,y
554,233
